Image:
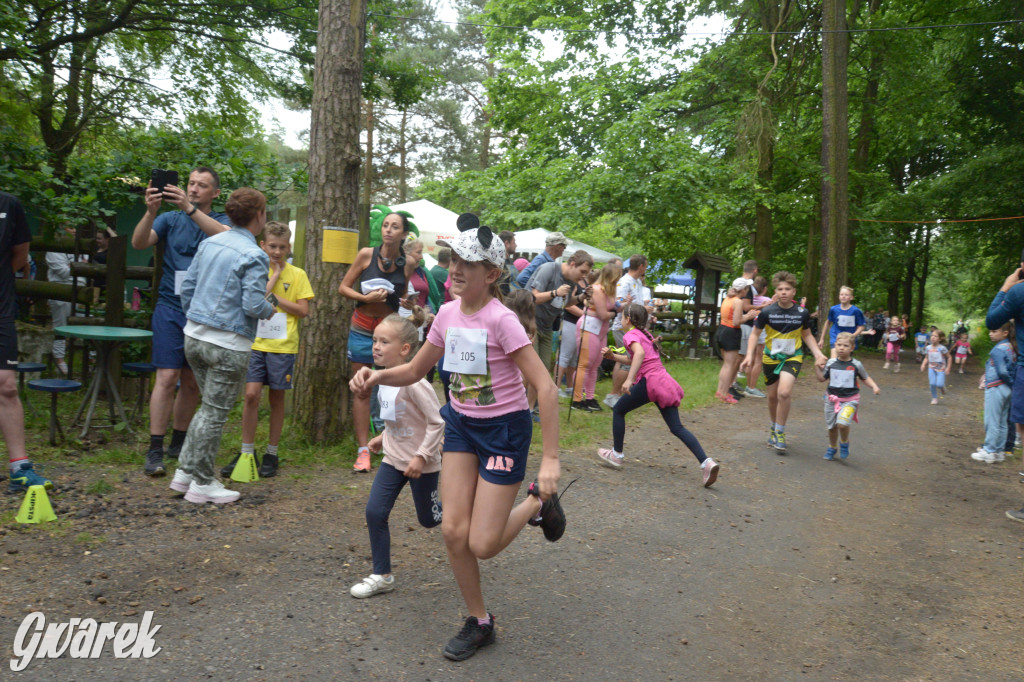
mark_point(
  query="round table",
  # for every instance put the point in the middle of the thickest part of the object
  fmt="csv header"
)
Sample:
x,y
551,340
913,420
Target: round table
x,y
106,340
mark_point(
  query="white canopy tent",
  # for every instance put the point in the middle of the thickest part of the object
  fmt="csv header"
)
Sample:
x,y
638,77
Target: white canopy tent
x,y
532,242
434,222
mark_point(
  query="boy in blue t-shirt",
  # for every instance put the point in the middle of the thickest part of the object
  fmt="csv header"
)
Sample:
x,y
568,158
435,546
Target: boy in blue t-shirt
x,y
921,339
843,317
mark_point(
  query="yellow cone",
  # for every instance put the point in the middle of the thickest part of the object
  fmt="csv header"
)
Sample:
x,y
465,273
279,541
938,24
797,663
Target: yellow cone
x,y
35,508
246,470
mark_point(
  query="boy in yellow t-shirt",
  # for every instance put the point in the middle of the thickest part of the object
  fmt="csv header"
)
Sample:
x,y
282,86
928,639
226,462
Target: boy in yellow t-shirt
x,y
272,360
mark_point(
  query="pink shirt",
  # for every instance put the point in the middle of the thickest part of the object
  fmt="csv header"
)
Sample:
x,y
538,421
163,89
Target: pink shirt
x,y
415,429
662,389
500,390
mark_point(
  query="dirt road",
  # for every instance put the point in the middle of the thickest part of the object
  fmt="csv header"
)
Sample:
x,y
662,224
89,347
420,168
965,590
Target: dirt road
x,y
897,564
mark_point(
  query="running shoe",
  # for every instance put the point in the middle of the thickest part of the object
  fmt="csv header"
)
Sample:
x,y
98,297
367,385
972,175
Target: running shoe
x,y
580,405
268,469
935,401
1016,514
564,393
593,405
709,470
471,637
181,481
552,517
609,459
155,462
362,461
754,392
214,492
844,450
780,441
374,584
611,399
735,392
24,476
830,453
772,438
987,457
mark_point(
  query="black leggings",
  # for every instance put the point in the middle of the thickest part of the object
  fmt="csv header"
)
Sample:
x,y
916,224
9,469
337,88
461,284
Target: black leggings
x,y
637,397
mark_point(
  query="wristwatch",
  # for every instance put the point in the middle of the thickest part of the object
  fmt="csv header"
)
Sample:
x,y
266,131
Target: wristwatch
x,y
194,209
272,299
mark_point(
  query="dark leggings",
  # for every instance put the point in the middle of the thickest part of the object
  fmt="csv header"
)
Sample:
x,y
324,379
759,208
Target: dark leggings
x,y
637,397
387,484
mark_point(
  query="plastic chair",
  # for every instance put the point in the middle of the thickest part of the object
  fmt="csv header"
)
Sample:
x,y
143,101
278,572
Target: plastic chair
x,y
23,369
140,370
53,387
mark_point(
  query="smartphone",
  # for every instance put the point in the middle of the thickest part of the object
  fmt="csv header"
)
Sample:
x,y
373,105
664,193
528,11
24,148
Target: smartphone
x,y
160,178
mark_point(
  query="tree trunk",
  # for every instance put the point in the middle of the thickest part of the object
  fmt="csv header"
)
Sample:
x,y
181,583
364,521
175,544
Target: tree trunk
x,y
321,402
922,279
812,270
368,166
403,154
835,149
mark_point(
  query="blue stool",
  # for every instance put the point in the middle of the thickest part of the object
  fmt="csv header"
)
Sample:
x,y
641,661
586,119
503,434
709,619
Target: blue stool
x,y
139,369
53,387
23,369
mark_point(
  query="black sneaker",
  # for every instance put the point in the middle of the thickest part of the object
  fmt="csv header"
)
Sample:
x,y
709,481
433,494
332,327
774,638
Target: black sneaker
x,y
173,451
471,637
552,517
735,393
155,462
593,405
269,467
580,405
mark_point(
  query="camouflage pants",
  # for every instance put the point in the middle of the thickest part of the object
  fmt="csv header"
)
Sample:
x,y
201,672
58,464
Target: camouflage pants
x,y
220,373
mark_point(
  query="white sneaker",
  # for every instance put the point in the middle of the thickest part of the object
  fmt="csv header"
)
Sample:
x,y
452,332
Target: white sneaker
x,y
988,457
181,481
710,471
611,399
609,459
564,393
375,584
212,492
886,365
897,370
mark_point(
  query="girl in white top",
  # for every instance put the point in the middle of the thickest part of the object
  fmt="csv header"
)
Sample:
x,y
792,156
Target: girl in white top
x,y
412,448
487,425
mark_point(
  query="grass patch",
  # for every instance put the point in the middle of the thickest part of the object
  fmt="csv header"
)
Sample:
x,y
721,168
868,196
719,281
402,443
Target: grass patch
x,y
89,540
587,430
99,487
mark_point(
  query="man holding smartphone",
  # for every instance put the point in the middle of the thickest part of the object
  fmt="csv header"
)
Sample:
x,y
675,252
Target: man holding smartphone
x,y
181,232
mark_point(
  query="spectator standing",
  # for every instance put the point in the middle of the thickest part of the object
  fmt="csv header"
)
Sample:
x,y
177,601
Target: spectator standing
x,y
223,294
440,271
14,245
630,289
58,269
552,287
554,247
181,232
508,279
1008,305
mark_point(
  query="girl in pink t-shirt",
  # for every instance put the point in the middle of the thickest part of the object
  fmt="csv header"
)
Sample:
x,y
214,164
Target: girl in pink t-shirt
x,y
648,381
487,424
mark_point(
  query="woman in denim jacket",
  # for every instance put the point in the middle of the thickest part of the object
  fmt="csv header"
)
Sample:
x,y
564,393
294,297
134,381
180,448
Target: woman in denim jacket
x,y
223,295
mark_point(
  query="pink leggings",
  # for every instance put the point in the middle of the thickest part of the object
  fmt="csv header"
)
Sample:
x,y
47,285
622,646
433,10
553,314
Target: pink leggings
x,y
590,362
892,351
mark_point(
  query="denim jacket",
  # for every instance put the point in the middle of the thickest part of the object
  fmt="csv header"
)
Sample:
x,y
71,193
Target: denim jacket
x,y
1000,366
226,284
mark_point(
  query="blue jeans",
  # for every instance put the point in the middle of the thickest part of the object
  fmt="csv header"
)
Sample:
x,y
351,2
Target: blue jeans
x,y
936,380
637,397
387,484
997,411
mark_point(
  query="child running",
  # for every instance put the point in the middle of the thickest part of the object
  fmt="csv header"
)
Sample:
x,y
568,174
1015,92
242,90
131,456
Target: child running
x,y
787,329
412,448
894,335
272,360
998,385
843,317
961,349
648,381
487,425
938,363
843,395
920,343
